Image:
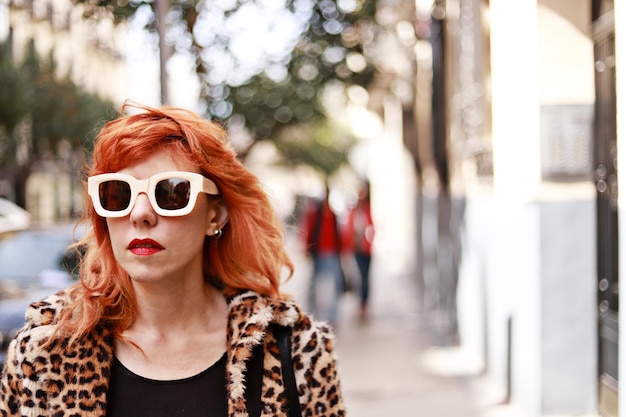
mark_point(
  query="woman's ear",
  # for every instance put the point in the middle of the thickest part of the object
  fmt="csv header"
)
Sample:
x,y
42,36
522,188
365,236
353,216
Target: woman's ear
x,y
218,217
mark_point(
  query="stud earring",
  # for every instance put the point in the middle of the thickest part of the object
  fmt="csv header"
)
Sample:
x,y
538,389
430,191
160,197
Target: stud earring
x,y
217,233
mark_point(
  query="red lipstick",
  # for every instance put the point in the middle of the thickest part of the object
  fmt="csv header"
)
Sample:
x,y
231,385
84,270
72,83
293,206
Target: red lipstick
x,y
144,247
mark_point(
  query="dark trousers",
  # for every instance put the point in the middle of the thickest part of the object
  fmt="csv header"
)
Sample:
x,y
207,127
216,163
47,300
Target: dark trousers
x,y
363,261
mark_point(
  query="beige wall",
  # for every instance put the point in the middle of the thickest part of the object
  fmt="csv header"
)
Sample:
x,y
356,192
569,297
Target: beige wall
x,y
93,54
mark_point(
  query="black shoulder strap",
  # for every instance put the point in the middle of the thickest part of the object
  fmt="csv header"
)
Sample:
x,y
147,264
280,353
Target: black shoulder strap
x,y
254,378
283,338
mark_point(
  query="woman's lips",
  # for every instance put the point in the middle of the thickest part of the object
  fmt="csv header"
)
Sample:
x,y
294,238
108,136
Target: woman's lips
x,y
144,247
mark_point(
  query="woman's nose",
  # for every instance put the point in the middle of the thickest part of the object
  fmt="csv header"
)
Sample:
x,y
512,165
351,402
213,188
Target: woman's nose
x,y
142,211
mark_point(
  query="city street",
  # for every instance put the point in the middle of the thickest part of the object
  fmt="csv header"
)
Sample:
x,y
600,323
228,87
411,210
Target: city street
x,y
395,364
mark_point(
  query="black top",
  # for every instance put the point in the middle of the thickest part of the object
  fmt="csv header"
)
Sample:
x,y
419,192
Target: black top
x,y
200,395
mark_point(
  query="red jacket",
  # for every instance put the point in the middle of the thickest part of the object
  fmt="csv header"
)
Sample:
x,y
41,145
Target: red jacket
x,y
358,234
321,230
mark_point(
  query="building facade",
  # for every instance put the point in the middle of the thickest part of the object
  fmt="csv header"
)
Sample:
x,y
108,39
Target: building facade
x,y
93,55
91,52
513,128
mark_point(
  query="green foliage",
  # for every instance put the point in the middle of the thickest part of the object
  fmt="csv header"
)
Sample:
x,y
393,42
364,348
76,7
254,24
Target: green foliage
x,y
58,110
267,105
318,145
16,93
332,47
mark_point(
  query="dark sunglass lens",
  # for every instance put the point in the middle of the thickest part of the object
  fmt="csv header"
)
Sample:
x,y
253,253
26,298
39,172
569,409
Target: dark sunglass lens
x,y
114,195
173,193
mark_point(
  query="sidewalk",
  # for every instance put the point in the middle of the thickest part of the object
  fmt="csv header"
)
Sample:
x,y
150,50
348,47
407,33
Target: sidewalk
x,y
396,364
392,364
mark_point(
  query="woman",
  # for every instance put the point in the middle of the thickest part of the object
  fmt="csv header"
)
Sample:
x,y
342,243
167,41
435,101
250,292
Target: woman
x,y
359,238
178,304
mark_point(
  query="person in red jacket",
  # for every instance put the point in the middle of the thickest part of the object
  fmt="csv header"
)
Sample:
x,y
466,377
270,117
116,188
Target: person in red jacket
x,y
358,237
323,245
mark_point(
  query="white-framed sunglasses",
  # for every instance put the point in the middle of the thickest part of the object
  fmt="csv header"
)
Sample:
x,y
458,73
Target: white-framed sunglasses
x,y
170,193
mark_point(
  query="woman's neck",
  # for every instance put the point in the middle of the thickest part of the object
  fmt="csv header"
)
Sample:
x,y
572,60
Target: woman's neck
x,y
160,306
176,336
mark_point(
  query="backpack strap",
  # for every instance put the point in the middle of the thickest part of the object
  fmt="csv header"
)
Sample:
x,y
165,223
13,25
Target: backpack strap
x,y
283,338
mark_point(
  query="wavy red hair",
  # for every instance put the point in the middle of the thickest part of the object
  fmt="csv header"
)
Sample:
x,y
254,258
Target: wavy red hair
x,y
250,255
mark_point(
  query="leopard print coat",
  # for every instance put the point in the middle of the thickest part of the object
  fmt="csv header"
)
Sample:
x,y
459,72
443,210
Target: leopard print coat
x,y
73,380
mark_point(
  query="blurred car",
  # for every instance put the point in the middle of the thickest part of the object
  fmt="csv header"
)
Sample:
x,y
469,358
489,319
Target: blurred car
x,y
12,216
34,263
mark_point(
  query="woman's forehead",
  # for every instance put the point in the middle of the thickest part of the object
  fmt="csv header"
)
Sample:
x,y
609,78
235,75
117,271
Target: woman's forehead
x,y
160,160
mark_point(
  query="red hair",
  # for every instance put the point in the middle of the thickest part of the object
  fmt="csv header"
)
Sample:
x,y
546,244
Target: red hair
x,y
250,255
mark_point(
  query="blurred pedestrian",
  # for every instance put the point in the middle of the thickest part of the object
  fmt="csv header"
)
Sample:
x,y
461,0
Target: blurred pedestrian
x,y
178,310
358,239
322,238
